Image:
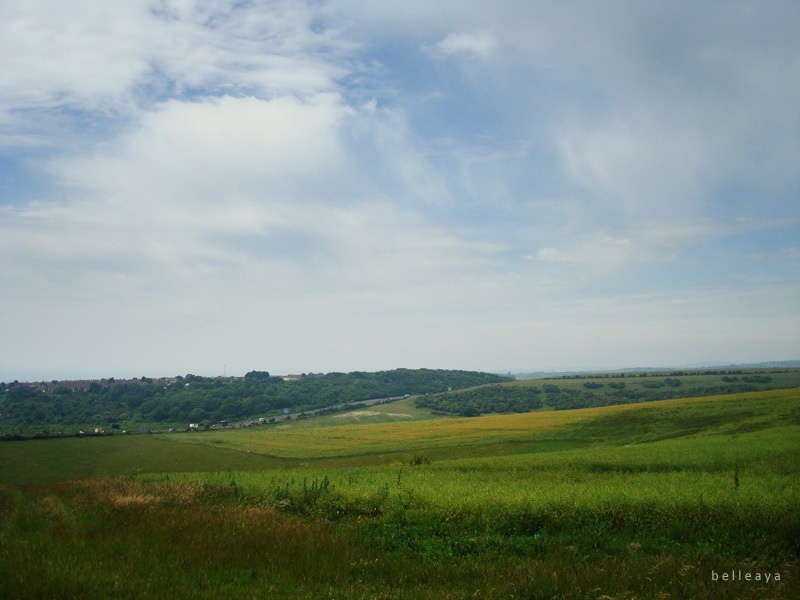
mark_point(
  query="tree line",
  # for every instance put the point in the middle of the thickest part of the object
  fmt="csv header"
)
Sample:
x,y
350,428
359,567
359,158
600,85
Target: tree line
x,y
35,407
518,399
488,399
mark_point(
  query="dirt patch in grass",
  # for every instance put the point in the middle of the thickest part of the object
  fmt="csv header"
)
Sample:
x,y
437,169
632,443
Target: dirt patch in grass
x,y
372,413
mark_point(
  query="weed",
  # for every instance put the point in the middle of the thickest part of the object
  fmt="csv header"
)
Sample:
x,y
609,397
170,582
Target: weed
x,y
418,460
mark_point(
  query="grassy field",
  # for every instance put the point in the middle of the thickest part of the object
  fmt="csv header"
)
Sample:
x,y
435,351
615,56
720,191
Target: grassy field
x,y
694,498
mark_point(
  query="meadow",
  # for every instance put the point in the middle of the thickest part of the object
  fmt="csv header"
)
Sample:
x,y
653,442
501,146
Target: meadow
x,y
691,498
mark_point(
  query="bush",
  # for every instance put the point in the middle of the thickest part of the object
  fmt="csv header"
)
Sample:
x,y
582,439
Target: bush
x,y
757,378
482,400
418,460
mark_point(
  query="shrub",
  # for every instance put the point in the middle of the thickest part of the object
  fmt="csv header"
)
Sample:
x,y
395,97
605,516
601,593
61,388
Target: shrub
x,y
757,378
418,460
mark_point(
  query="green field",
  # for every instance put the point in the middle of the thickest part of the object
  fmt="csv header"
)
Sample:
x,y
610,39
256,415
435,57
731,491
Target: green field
x,y
656,500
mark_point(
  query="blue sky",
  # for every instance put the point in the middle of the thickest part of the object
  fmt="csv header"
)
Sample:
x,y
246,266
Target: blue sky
x,y
192,187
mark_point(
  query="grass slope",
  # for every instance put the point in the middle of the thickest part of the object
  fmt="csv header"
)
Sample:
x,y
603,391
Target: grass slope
x,y
381,443
626,501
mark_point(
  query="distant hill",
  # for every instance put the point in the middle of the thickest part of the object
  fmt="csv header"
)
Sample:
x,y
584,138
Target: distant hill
x,y
780,364
40,407
566,392
783,364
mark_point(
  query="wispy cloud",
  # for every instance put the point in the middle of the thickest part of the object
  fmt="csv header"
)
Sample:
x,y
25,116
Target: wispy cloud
x,y
481,44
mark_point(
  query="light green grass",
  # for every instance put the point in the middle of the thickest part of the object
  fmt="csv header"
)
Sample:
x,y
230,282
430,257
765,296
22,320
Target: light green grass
x,y
398,410
754,472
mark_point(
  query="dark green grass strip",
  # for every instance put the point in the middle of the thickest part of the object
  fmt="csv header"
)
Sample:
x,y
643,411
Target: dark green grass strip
x,y
44,461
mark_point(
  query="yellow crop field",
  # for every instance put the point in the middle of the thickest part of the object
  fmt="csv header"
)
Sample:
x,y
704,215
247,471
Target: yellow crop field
x,y
294,441
382,440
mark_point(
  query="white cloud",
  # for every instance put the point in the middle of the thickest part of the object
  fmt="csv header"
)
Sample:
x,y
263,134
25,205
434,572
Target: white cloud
x,y
74,54
602,254
242,140
111,60
480,44
193,173
550,255
242,207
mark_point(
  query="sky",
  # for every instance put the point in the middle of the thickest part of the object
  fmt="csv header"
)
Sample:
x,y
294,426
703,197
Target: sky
x,y
212,187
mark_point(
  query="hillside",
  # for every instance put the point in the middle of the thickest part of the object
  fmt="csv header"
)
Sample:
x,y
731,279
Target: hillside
x,y
42,407
585,391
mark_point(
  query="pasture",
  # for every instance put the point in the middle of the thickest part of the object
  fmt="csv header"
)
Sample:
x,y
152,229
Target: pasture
x,y
648,500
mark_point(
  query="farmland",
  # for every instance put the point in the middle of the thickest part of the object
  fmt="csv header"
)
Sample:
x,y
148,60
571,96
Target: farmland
x,y
632,500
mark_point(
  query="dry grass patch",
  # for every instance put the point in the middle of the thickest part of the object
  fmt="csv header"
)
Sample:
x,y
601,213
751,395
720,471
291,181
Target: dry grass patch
x,y
371,413
126,500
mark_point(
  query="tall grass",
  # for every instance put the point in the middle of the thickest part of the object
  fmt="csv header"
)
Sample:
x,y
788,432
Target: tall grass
x,y
164,539
126,538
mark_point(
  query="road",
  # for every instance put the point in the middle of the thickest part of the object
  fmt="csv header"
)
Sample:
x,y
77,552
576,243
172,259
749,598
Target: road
x,y
308,413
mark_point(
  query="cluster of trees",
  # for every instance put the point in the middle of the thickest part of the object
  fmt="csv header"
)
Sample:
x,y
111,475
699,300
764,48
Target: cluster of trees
x,y
513,399
510,399
667,381
488,399
757,378
196,399
569,399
